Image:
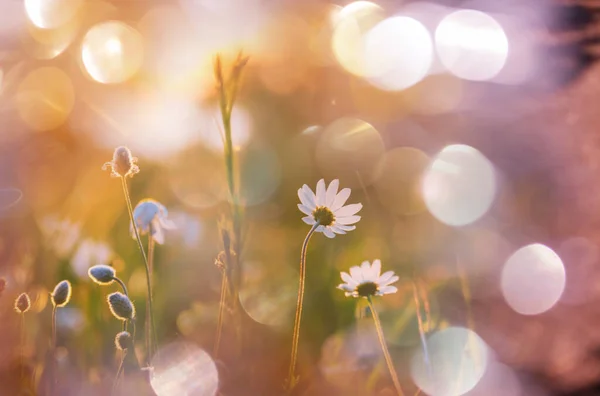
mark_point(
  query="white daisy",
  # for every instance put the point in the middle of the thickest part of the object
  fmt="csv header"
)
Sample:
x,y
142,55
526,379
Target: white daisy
x,y
366,281
151,217
327,208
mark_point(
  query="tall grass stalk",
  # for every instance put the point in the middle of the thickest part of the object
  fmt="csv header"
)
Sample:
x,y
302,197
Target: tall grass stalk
x,y
146,265
150,335
228,90
386,352
292,380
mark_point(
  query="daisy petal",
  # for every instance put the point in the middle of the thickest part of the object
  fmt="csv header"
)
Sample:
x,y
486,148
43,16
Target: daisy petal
x,y
385,277
331,192
328,233
337,229
376,269
388,289
390,281
349,294
320,228
348,210
345,227
345,287
309,220
356,274
365,268
321,192
340,199
304,209
347,220
307,197
348,279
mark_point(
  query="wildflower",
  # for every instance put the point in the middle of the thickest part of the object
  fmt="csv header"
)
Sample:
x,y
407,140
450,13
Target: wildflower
x,y
123,340
22,303
123,164
61,294
121,306
150,216
102,274
326,208
366,281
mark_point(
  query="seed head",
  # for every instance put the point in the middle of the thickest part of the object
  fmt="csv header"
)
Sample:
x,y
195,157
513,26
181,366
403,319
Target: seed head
x,y
121,307
323,215
123,341
102,274
61,294
22,303
123,164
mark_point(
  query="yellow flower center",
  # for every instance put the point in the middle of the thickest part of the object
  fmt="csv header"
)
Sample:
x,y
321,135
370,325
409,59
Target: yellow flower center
x,y
367,289
323,215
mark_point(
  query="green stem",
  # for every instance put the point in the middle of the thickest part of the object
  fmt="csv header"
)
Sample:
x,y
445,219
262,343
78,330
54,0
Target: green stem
x,y
146,266
53,378
386,352
150,336
221,313
291,380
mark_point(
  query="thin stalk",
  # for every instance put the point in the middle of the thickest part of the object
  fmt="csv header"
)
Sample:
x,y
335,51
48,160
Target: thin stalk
x,y
386,352
54,370
146,266
221,313
22,345
291,380
150,336
54,327
421,329
119,371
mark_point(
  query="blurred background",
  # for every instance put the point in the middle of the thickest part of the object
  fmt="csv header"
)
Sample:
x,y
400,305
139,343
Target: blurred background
x,y
467,129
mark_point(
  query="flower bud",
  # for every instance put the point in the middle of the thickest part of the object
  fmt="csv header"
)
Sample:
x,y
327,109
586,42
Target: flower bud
x,y
61,294
123,164
121,306
22,303
123,341
102,274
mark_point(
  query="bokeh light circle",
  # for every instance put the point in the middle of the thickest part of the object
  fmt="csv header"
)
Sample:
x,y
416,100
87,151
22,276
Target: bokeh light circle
x,y
48,14
112,52
45,98
533,279
457,362
471,44
398,53
459,186
349,149
182,368
353,22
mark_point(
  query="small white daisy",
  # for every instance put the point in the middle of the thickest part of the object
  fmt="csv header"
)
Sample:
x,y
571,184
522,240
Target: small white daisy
x,y
327,208
151,217
366,281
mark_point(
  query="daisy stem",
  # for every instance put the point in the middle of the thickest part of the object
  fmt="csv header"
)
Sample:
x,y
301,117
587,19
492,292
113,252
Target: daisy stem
x,y
221,313
141,246
386,352
291,382
421,328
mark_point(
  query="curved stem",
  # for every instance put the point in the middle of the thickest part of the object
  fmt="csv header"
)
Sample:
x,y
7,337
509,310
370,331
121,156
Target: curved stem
x,y
119,371
291,380
386,352
141,246
221,313
421,328
120,282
